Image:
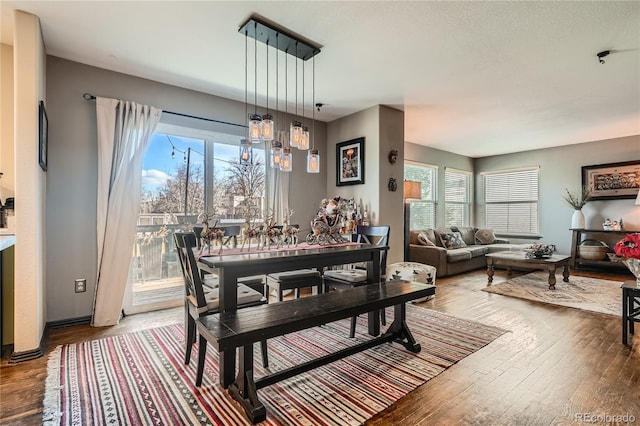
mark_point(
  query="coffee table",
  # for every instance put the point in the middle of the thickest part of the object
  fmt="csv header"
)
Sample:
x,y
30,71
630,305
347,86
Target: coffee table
x,y
518,260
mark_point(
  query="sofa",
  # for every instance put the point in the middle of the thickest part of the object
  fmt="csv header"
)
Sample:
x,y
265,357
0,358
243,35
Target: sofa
x,y
454,250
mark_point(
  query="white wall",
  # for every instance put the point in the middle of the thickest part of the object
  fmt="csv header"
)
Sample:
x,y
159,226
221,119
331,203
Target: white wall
x,y
30,184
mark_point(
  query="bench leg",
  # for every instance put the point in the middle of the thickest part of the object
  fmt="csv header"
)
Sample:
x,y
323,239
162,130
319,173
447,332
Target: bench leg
x,y
401,329
244,388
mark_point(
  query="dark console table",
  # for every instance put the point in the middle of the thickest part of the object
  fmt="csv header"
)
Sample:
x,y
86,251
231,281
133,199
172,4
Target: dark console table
x,y
579,235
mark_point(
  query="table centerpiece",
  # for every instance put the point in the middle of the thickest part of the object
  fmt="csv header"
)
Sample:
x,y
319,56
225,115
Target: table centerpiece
x,y
629,249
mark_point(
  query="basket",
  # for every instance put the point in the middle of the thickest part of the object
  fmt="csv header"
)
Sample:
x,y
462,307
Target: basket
x,y
595,251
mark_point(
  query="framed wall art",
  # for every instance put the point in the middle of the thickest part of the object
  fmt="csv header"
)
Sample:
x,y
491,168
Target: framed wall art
x,y
612,181
43,136
350,162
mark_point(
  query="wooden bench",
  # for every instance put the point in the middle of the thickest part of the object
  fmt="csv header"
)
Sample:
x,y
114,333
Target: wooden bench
x,y
242,328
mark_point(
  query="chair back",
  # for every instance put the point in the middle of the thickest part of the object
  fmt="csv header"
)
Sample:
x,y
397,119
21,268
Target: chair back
x,y
231,233
185,242
377,235
197,231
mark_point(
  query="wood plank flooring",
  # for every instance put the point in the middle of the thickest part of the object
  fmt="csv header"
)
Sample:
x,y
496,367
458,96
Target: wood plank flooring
x,y
553,365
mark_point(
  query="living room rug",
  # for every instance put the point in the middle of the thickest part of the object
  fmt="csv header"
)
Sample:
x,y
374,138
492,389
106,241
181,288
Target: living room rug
x,y
589,294
140,379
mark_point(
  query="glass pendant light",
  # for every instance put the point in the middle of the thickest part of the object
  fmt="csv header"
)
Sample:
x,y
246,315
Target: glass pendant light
x,y
245,151
267,127
276,154
295,130
286,161
255,127
304,139
313,161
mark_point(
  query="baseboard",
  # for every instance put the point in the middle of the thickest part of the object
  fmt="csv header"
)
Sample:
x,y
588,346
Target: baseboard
x,y
69,322
38,352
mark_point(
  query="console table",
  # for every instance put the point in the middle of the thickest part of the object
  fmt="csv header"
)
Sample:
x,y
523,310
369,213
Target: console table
x,y
577,236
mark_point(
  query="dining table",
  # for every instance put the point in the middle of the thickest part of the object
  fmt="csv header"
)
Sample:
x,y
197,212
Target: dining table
x,y
230,265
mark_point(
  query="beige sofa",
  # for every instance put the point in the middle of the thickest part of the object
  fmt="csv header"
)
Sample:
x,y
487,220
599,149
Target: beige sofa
x,y
466,250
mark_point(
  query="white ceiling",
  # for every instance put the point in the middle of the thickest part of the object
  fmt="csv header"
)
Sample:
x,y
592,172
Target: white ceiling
x,y
475,78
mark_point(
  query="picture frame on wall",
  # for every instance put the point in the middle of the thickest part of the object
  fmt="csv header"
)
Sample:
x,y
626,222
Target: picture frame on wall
x,y
612,181
350,162
43,136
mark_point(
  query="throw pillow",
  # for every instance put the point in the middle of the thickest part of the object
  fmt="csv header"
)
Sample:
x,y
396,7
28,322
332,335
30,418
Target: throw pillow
x,y
452,240
423,238
485,236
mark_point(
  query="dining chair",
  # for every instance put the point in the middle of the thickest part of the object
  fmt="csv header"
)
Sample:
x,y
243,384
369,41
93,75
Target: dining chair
x,y
356,274
201,301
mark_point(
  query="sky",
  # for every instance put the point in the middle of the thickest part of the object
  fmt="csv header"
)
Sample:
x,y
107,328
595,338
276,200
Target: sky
x,y
158,164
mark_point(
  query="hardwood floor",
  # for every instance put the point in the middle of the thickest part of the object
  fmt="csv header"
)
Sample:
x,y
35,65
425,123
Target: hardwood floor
x,y
553,365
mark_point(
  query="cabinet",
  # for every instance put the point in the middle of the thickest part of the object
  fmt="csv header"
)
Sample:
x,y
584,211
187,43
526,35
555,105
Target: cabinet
x,y
579,235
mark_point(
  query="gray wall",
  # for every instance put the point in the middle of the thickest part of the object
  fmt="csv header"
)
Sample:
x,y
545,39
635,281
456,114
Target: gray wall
x,y
71,177
560,168
442,159
383,130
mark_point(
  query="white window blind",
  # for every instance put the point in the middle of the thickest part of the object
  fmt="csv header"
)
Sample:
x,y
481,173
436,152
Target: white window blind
x,y
511,201
423,211
457,197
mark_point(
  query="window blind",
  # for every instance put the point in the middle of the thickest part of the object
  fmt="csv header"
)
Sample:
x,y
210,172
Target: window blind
x,y
457,197
423,211
511,201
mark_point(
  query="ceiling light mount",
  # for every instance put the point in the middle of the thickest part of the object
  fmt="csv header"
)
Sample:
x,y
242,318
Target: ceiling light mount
x,y
602,55
287,41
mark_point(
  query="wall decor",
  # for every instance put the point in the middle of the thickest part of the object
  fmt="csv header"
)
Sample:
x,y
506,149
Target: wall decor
x,y
43,136
392,185
612,181
393,156
350,162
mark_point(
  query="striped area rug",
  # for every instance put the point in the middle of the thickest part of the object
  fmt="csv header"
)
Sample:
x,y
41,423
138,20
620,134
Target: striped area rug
x,y
140,378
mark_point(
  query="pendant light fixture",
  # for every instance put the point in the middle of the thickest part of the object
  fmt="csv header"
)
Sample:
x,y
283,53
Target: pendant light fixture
x,y
303,144
313,156
268,128
264,128
276,145
245,143
255,120
295,130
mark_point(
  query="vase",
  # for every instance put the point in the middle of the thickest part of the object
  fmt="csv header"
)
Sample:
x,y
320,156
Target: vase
x,y
577,220
634,267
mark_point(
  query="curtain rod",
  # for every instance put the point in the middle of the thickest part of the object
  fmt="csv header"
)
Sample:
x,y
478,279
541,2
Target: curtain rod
x,y
90,97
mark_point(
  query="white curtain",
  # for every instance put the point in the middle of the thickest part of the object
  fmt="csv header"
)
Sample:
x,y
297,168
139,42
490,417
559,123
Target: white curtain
x,y
124,132
278,186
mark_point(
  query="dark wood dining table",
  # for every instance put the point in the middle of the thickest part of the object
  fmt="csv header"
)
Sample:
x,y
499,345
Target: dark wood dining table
x,y
230,267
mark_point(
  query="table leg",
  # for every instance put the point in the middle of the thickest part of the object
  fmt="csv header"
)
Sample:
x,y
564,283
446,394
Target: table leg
x,y
565,273
625,314
490,271
552,278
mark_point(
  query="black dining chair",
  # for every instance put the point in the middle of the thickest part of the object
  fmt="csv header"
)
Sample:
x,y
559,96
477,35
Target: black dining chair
x,y
356,274
201,301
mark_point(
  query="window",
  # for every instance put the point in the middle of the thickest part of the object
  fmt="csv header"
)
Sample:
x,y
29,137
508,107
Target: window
x,y
457,197
511,200
423,211
217,184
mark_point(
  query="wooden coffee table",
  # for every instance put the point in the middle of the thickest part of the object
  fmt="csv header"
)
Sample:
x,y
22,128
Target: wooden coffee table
x,y
518,260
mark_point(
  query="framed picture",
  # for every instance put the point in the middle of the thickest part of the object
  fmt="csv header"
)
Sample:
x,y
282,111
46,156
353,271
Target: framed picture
x,y
350,162
612,181
43,137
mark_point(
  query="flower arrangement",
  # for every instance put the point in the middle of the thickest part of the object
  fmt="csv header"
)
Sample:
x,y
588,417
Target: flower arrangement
x,y
629,249
539,251
629,246
577,201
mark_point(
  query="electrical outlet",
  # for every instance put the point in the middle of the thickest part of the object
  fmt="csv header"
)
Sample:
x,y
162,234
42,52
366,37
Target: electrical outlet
x,y
81,285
